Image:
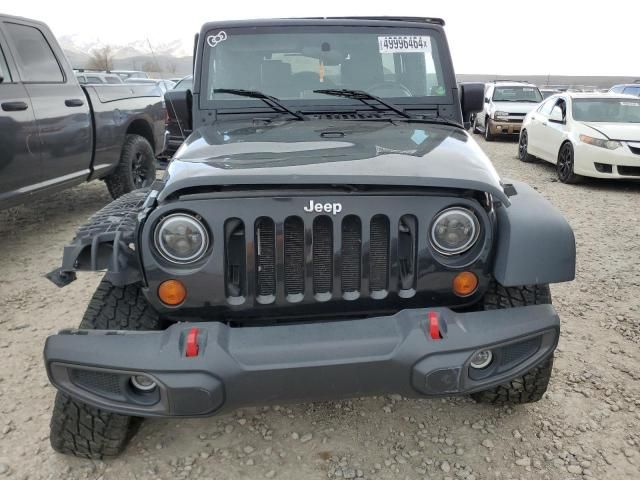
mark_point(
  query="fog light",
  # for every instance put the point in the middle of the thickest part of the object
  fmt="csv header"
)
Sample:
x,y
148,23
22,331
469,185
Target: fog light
x,y
143,383
482,359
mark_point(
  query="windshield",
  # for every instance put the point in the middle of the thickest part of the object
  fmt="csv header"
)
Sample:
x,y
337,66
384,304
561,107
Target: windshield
x,y
292,62
610,110
517,94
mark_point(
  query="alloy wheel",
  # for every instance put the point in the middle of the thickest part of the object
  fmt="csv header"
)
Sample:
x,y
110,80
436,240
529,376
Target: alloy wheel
x,y
522,147
565,164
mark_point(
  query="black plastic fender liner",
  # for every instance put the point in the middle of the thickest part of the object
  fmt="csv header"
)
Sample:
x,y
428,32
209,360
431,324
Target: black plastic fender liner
x,y
535,244
106,242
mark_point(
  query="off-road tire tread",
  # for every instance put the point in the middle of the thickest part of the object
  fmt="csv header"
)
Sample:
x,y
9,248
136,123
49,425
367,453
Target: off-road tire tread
x,y
84,431
80,429
526,388
499,297
119,308
119,181
531,386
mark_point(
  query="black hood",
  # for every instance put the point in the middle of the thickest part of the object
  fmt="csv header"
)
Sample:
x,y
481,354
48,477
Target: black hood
x,y
329,152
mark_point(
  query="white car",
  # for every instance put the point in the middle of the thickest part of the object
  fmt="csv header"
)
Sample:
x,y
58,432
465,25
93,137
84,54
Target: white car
x,y
505,105
594,135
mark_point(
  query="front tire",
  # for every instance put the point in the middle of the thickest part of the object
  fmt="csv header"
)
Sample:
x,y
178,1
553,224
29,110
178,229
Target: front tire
x,y
531,386
80,429
136,169
488,136
523,148
566,163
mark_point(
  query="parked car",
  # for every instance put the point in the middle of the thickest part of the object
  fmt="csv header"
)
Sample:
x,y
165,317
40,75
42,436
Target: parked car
x,y
125,74
592,135
547,92
161,85
98,78
185,83
627,89
314,237
505,105
55,133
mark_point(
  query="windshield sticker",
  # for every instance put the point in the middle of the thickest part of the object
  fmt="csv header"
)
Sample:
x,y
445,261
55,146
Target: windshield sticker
x,y
630,104
213,40
527,89
419,136
404,43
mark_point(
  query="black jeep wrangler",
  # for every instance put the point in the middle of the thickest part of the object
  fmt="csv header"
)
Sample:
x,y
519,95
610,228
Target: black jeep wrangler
x,y
328,230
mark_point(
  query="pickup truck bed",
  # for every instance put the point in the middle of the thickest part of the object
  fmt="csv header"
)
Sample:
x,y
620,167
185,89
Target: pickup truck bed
x,y
55,134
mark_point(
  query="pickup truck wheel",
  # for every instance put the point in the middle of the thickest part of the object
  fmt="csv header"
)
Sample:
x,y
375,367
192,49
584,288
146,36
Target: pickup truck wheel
x,y
531,386
80,429
137,167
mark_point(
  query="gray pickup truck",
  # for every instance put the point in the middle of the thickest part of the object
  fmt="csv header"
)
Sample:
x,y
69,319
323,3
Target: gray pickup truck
x,y
55,133
329,229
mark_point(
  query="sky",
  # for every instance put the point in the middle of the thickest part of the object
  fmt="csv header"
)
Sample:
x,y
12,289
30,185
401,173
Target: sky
x,y
536,37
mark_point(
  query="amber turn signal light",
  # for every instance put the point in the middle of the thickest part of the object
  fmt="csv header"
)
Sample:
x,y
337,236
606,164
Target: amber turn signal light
x,y
172,292
465,283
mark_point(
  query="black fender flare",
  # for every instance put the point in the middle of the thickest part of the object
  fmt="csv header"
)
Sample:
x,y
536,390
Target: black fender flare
x,y
535,244
107,242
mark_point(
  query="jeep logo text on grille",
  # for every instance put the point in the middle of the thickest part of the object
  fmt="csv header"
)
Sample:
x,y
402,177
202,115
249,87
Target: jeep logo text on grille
x,y
333,208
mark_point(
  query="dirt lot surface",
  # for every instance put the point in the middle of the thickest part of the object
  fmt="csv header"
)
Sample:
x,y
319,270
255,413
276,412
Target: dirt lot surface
x,y
587,425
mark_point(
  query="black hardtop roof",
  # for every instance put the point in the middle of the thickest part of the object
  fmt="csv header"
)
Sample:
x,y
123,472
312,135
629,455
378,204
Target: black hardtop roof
x,y
304,21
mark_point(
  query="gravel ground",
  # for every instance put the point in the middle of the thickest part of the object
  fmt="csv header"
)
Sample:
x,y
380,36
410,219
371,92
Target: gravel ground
x,y
587,425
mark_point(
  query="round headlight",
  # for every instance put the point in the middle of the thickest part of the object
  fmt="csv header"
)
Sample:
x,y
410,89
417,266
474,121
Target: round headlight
x,y
454,231
181,238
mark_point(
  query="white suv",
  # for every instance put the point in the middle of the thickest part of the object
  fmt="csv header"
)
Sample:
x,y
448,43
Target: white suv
x,y
505,105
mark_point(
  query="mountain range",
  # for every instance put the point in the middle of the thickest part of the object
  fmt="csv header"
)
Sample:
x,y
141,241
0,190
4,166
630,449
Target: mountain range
x,y
172,56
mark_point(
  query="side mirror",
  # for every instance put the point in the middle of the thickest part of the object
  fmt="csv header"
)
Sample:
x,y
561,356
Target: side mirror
x,y
471,100
556,115
179,104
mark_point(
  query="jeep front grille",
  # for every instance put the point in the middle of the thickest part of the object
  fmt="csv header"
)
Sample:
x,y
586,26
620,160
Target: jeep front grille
x,y
294,253
351,267
379,254
265,260
322,257
325,258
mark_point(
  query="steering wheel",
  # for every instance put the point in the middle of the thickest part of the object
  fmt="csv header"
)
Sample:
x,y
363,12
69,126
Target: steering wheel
x,y
389,89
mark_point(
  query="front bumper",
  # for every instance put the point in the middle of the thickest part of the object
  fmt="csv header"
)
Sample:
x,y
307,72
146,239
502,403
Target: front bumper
x,y
497,127
237,367
597,162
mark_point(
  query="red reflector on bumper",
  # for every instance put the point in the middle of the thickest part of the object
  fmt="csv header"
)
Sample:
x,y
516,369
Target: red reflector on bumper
x,y
434,326
191,345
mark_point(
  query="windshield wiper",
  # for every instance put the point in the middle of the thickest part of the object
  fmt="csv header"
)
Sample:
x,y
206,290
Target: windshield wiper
x,y
363,97
273,102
